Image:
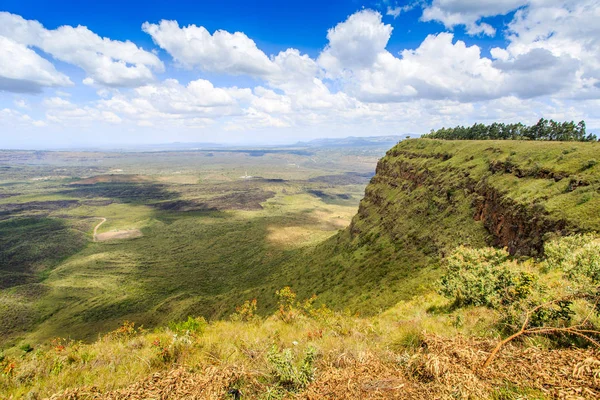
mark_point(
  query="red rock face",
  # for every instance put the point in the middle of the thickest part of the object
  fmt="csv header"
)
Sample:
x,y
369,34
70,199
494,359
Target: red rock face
x,y
518,228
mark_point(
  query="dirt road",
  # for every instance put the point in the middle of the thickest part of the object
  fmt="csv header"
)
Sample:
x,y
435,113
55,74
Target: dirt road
x,y
98,226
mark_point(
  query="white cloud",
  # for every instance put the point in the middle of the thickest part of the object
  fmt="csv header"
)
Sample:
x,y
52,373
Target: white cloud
x,y
565,28
15,118
356,42
106,62
22,70
170,103
469,13
442,68
194,46
355,85
20,103
57,102
396,11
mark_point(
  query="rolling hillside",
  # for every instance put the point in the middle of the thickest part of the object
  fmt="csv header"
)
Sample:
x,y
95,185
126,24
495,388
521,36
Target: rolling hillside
x,y
429,196
411,299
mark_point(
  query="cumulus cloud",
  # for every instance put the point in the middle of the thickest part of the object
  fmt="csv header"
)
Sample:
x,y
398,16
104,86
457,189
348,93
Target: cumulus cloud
x,y
356,42
198,103
22,70
354,85
10,117
194,46
566,28
469,13
445,68
106,62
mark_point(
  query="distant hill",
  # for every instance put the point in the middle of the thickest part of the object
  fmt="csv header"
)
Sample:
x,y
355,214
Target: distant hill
x,y
353,141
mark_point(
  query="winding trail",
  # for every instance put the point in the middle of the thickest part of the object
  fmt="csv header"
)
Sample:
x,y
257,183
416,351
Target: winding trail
x,y
98,226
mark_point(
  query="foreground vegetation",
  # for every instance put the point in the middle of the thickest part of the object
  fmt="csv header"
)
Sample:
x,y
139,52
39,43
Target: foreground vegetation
x,y
306,350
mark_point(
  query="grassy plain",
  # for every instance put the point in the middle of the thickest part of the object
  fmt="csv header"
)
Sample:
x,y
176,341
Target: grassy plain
x,y
207,237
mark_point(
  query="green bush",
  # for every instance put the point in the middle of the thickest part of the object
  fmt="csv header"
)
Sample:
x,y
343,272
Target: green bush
x,y
246,312
558,250
287,374
191,326
578,256
484,277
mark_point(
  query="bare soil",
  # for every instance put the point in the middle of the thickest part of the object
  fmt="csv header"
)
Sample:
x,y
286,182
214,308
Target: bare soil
x,y
115,235
119,235
121,178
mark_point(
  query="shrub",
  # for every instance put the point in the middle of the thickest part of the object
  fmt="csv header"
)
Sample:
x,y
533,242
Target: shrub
x,y
191,326
286,373
287,311
484,277
557,251
26,348
290,309
590,164
246,312
578,256
584,264
125,331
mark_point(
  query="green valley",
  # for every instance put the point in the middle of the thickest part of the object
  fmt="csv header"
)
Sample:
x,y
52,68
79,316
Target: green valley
x,y
314,268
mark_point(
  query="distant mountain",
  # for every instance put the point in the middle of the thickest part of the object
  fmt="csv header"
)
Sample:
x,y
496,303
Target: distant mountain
x,y
353,141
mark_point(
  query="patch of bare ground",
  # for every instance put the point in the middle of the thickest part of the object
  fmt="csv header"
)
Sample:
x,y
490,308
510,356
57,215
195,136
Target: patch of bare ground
x,y
325,224
441,369
118,235
111,178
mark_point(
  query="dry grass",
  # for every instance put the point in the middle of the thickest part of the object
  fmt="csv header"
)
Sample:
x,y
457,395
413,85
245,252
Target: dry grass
x,y
442,368
118,235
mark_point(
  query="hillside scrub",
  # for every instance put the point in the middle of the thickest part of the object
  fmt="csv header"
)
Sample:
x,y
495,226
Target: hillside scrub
x,y
303,350
558,297
543,130
430,196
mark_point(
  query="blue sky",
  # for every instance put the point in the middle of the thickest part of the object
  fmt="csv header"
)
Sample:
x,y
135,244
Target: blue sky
x,y
127,72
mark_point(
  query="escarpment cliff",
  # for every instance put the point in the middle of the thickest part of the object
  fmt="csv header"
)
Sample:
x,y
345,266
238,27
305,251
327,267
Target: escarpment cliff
x,y
430,196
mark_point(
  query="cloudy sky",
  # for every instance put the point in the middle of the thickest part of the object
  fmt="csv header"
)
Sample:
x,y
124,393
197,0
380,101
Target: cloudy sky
x,y
125,72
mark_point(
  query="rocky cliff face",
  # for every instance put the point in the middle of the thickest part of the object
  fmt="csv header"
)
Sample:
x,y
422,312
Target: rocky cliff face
x,y
428,197
519,228
430,178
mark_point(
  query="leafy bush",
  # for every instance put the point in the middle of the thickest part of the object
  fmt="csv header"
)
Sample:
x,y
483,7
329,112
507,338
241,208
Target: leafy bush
x,y
590,163
287,374
578,256
191,326
484,277
290,309
26,348
246,312
126,331
558,250
287,311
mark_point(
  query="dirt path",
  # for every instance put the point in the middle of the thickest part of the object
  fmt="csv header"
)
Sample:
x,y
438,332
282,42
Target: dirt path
x,y
98,226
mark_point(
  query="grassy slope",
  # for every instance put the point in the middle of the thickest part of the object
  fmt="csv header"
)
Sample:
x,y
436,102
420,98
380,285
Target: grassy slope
x,y
410,216
205,263
187,262
418,207
391,355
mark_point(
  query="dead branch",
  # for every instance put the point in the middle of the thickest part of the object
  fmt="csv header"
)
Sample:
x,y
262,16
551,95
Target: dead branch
x,y
579,329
